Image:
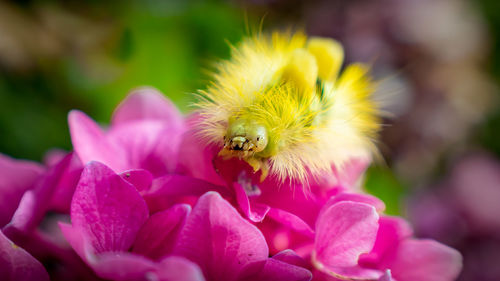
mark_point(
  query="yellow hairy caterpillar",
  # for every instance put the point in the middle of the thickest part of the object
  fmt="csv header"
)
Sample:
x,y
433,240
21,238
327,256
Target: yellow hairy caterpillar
x,y
281,104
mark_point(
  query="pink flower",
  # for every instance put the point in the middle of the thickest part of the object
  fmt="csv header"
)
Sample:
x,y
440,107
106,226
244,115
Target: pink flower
x,y
227,247
410,259
145,133
52,190
109,217
152,202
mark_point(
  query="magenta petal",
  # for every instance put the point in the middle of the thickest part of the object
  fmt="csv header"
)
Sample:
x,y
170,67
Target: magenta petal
x,y
343,232
131,267
196,157
354,273
274,270
17,264
108,265
428,260
16,177
386,277
179,269
123,266
159,234
219,240
166,190
349,174
23,217
357,197
255,212
150,144
139,178
290,257
90,143
392,230
146,103
108,209
63,193
78,241
292,221
36,202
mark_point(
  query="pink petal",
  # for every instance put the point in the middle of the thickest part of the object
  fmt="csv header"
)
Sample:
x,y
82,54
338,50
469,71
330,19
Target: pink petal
x,y
168,190
281,237
139,178
179,269
90,143
150,144
353,273
107,209
196,157
159,234
392,230
293,198
63,193
36,202
428,260
147,103
17,264
130,267
78,241
343,232
16,177
252,210
357,197
274,270
386,277
350,173
292,221
108,265
22,220
219,240
51,247
123,266
290,257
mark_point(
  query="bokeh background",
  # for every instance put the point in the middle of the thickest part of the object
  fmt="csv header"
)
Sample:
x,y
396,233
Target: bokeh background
x,y
438,60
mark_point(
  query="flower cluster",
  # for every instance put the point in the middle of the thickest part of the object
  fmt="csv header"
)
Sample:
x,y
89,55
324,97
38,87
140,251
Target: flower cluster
x,y
145,199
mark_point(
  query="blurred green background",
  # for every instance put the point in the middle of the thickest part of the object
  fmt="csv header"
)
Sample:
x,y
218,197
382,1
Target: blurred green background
x,y
59,56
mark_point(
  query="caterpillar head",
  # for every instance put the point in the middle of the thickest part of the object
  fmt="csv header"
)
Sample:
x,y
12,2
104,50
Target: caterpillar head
x,y
245,138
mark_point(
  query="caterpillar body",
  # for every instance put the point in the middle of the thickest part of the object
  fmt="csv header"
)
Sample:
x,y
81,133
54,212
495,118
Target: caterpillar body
x,y
280,104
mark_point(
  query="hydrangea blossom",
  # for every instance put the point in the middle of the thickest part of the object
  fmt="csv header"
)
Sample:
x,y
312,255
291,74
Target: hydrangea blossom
x,y
146,200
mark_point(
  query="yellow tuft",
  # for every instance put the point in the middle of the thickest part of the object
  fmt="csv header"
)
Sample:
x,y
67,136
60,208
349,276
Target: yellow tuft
x,y
301,71
329,56
315,118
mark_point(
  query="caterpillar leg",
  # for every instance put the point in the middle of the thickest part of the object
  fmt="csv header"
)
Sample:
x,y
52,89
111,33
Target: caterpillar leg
x,y
259,164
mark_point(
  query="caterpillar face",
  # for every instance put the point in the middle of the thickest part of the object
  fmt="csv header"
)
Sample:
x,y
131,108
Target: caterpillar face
x,y
244,138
